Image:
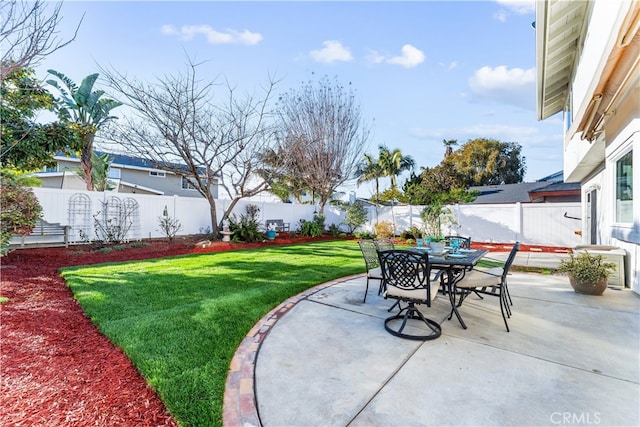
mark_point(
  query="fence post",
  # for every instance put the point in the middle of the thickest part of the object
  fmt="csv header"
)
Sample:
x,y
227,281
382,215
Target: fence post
x,y
518,220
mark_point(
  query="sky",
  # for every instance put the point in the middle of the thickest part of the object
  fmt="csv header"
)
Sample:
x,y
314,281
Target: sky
x,y
423,71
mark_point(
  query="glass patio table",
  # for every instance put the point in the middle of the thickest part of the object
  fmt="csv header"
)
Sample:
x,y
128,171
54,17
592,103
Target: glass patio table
x,y
454,265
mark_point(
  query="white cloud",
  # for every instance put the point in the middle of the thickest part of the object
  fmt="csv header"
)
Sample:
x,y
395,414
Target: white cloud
x,y
332,51
410,57
501,15
450,66
502,85
188,32
374,57
521,7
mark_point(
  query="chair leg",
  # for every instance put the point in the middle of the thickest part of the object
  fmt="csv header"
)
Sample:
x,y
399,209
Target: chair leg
x,y
503,309
366,291
411,312
506,288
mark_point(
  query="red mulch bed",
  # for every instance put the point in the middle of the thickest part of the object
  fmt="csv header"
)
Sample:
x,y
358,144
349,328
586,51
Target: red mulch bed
x,y
57,368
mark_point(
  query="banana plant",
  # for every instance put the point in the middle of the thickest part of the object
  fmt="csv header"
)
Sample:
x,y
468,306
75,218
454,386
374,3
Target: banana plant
x,y
87,110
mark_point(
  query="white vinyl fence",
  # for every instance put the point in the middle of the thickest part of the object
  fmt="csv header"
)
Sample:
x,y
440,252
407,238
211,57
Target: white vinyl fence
x,y
529,223
79,208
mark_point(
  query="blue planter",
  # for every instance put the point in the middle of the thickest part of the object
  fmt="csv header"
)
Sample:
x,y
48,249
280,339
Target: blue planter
x,y
271,234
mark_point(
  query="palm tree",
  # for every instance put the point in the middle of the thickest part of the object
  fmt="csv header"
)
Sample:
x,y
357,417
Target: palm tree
x,y
370,170
87,110
393,163
448,143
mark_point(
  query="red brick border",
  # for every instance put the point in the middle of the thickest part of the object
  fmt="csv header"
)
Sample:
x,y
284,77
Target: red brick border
x,y
240,407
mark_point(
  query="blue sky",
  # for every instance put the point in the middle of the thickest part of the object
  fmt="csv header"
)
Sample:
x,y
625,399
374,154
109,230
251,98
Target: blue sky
x,y
424,71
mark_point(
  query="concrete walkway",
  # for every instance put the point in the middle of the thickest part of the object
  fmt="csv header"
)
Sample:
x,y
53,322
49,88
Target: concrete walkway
x,y
569,359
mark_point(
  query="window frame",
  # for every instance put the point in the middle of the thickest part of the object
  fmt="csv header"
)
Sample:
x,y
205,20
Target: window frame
x,y
624,222
111,173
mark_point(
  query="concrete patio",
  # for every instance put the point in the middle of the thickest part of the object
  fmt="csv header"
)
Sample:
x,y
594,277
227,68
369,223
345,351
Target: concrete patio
x,y
569,359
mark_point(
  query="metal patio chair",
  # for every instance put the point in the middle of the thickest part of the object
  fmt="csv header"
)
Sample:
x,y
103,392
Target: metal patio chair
x,y
370,255
407,279
492,281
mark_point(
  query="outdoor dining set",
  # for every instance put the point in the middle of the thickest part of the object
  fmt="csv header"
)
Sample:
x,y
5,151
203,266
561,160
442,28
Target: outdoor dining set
x,y
416,275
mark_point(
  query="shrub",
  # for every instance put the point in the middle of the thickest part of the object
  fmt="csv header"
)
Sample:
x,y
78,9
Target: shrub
x,y
411,233
247,228
310,228
319,218
586,268
19,209
364,235
384,229
356,216
335,231
169,225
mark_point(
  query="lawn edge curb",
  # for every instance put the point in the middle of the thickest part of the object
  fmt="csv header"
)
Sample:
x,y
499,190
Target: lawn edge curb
x,y
240,407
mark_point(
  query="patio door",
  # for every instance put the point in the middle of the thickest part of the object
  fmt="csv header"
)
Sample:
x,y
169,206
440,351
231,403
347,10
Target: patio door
x,y
592,216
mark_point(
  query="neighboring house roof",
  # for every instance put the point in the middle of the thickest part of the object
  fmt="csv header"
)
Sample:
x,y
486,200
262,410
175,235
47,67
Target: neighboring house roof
x,y
524,192
557,189
505,193
554,177
132,161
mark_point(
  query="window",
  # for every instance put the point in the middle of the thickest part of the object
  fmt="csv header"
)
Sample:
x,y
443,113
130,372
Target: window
x,y
186,185
158,174
568,112
50,169
624,188
114,173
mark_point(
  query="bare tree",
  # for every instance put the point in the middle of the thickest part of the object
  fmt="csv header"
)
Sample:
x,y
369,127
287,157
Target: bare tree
x,y
177,123
322,134
28,33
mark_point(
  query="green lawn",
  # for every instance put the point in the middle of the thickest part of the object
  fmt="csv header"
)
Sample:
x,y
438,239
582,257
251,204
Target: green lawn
x,y
181,319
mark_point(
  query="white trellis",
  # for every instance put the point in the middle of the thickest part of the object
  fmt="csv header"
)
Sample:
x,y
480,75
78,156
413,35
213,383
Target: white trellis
x,y
131,209
79,214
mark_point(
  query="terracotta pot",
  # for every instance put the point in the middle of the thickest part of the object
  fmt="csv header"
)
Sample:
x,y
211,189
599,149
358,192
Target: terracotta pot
x,y
588,288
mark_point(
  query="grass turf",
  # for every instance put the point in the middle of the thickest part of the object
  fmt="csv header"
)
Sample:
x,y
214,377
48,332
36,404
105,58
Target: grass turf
x,y
181,319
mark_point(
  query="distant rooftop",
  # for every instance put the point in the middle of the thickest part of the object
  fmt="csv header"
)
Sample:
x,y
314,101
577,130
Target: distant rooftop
x,y
526,192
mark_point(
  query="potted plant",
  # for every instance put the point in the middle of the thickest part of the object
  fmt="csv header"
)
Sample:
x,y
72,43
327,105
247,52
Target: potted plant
x,y
588,274
437,244
271,230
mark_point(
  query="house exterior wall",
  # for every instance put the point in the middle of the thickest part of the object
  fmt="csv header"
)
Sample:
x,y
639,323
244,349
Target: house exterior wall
x,y
594,163
169,185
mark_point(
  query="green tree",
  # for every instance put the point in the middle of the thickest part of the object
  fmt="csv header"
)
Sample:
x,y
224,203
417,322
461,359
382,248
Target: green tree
x,y
369,170
448,144
26,144
282,183
393,163
87,111
488,162
439,184
356,215
100,171
19,208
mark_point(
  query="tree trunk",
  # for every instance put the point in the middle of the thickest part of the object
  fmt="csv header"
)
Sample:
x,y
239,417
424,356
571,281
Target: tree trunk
x,y
85,159
213,214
